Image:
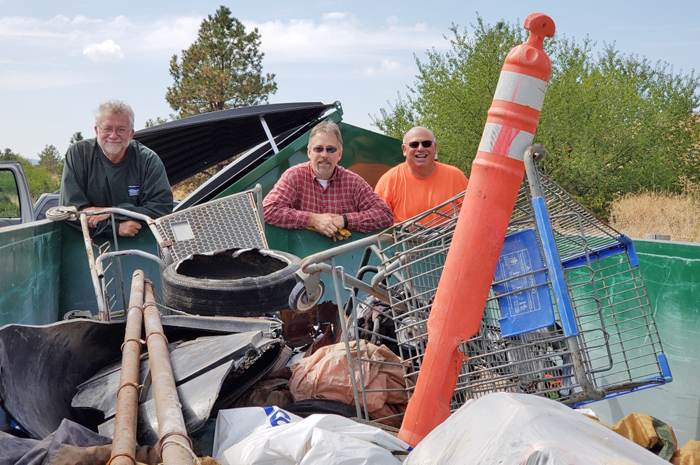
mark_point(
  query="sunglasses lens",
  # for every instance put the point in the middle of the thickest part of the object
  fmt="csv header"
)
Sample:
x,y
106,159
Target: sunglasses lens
x,y
320,149
425,143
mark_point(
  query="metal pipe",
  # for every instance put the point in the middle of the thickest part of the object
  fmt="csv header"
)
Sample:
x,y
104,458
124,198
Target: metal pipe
x,y
126,416
351,280
102,310
175,445
345,248
120,253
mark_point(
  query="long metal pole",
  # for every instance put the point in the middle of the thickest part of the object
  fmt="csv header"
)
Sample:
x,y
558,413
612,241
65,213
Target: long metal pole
x,y
175,447
102,311
125,419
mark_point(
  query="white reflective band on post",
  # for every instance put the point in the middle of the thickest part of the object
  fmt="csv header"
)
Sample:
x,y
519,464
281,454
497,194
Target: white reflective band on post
x,y
521,89
517,146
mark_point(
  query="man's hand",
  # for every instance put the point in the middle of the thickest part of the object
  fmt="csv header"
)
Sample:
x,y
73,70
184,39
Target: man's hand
x,y
93,220
129,228
326,224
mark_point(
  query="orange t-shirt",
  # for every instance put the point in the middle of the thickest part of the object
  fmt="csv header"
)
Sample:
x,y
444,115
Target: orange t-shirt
x,y
408,195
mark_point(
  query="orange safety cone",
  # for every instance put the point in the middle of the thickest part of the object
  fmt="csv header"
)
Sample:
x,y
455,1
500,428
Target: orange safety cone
x,y
496,175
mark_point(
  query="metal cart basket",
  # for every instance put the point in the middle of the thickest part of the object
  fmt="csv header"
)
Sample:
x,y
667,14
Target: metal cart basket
x,y
568,316
232,221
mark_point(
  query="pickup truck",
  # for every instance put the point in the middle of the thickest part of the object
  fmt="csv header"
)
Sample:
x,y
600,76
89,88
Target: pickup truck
x,y
16,200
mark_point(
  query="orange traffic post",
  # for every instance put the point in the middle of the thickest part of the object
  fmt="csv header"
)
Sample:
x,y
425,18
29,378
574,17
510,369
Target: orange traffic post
x,y
496,175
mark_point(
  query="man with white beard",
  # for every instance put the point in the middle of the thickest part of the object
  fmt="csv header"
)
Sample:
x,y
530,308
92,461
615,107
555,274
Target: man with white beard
x,y
112,170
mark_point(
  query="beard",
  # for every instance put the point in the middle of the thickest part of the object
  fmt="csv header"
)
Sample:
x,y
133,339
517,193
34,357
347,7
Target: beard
x,y
112,147
323,169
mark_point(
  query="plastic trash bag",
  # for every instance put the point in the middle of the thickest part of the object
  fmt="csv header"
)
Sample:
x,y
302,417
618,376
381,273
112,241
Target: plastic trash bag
x,y
524,429
270,435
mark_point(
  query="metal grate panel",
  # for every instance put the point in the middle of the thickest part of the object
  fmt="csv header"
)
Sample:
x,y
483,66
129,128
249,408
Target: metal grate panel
x,y
231,222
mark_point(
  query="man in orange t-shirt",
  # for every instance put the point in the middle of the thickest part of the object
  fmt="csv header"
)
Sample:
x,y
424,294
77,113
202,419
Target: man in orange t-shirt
x,y
421,183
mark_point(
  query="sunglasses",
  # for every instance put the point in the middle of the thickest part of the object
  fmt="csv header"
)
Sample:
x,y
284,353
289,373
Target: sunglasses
x,y
425,143
320,149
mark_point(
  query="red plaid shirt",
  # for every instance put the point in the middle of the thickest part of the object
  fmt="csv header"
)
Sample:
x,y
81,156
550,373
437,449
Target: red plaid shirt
x,y
297,194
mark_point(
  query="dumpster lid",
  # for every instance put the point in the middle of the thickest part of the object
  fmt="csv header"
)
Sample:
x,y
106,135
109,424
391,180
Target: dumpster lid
x,y
191,145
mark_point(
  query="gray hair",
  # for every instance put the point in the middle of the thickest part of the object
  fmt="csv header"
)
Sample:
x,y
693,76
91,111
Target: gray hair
x,y
329,127
114,107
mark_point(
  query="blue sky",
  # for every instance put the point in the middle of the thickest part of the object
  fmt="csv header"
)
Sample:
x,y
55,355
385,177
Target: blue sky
x,y
60,59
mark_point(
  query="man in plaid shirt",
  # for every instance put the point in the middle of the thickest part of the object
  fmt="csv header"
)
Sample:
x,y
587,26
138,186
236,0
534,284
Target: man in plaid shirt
x,y
320,194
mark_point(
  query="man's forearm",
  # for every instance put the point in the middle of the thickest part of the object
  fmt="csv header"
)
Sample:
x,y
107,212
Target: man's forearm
x,y
286,217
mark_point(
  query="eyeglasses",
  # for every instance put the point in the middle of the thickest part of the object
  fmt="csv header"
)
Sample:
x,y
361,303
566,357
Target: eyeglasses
x,y
320,149
108,130
425,143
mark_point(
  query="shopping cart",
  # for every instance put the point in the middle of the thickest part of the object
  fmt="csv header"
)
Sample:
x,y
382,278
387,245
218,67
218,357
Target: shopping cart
x,y
567,317
232,221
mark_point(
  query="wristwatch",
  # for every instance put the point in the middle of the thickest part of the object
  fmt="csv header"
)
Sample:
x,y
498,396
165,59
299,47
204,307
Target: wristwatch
x,y
345,221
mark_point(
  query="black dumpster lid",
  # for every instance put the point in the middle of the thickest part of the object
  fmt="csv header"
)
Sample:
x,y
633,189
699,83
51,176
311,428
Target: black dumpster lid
x,y
191,145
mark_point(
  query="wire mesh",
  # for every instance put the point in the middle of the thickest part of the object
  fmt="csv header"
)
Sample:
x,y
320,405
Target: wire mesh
x,y
615,339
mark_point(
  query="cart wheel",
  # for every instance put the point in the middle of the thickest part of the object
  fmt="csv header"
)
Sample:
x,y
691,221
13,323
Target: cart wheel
x,y
60,213
299,299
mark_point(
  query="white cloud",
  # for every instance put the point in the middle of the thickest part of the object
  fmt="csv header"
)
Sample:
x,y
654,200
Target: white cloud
x,y
346,46
20,81
90,36
107,51
335,16
341,42
171,35
339,37
388,68
22,28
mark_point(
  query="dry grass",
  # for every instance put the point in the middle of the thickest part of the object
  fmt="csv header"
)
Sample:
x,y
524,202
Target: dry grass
x,y
179,193
635,215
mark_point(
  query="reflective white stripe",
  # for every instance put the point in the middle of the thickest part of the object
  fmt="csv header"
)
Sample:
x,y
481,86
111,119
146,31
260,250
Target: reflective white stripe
x,y
520,142
521,89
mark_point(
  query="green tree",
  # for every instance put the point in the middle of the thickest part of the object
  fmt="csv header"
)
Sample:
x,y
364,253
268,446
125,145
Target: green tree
x,y
51,160
38,178
9,155
617,124
76,137
9,203
612,123
221,69
41,181
453,91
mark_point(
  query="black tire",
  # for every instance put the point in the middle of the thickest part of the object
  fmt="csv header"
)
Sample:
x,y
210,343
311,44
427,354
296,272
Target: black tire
x,y
242,296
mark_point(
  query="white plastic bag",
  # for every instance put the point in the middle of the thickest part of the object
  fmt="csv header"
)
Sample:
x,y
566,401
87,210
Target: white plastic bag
x,y
272,436
502,428
233,425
